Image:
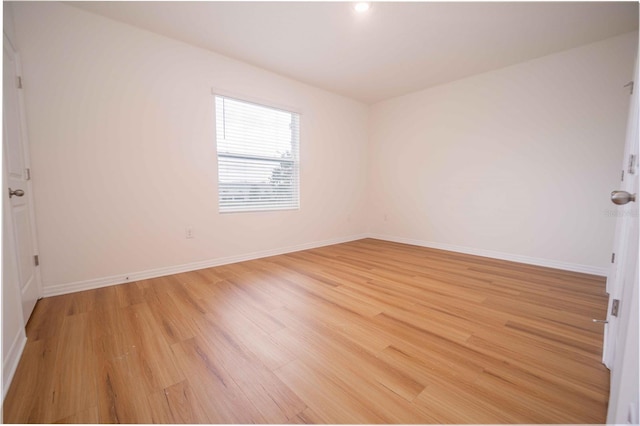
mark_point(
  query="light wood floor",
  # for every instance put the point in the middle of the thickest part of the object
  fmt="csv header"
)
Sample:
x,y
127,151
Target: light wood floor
x,y
363,332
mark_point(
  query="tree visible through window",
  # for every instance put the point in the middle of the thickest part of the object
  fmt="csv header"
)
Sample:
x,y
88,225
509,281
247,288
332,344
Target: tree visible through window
x,y
258,167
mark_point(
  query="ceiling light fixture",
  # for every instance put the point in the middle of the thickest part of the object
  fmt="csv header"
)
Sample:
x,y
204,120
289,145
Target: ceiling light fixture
x,y
362,7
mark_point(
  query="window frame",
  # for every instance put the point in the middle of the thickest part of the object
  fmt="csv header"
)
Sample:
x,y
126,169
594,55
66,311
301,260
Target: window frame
x,y
295,150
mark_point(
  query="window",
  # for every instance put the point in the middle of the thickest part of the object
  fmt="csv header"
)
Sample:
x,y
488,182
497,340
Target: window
x,y
258,166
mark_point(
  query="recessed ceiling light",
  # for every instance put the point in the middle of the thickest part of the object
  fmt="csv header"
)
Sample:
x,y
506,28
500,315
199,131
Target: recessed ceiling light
x,y
361,7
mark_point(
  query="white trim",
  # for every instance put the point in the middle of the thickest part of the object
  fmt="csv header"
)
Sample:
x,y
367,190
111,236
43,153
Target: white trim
x,y
10,363
73,287
548,263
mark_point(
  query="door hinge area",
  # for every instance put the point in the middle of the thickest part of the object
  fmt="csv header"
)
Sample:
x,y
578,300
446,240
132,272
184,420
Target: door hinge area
x,y
27,174
632,164
613,258
622,176
36,260
630,86
19,82
615,307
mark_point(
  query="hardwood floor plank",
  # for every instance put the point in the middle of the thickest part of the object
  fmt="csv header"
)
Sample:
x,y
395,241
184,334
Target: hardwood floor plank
x,y
306,338
160,410
571,401
570,340
47,317
362,332
331,398
308,416
217,393
72,389
184,404
122,394
81,302
253,339
427,369
591,381
174,325
157,361
200,284
526,405
539,312
439,323
244,305
88,416
268,394
27,399
110,332
463,405
177,404
130,294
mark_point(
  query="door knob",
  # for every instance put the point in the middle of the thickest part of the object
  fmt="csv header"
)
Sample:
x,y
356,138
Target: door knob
x,y
622,197
600,321
16,192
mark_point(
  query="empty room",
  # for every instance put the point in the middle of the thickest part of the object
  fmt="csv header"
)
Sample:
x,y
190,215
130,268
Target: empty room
x,y
320,212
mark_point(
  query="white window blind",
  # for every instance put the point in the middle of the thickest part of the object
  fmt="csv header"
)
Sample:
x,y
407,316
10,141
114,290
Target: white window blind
x,y
258,166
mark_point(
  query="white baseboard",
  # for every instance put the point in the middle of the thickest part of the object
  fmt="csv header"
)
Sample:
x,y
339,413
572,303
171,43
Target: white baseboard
x,y
573,267
159,272
73,287
10,363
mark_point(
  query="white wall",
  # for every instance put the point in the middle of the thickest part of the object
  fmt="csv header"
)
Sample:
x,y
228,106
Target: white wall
x,y
516,163
122,138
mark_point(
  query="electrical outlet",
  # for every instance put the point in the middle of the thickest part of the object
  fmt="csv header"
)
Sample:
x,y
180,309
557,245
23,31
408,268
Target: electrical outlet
x,y
188,232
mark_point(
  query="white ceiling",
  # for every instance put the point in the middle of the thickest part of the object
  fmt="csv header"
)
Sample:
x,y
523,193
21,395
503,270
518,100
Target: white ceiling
x,y
393,49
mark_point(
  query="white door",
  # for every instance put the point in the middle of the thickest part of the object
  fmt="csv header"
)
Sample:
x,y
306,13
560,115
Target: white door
x,y
620,350
17,185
